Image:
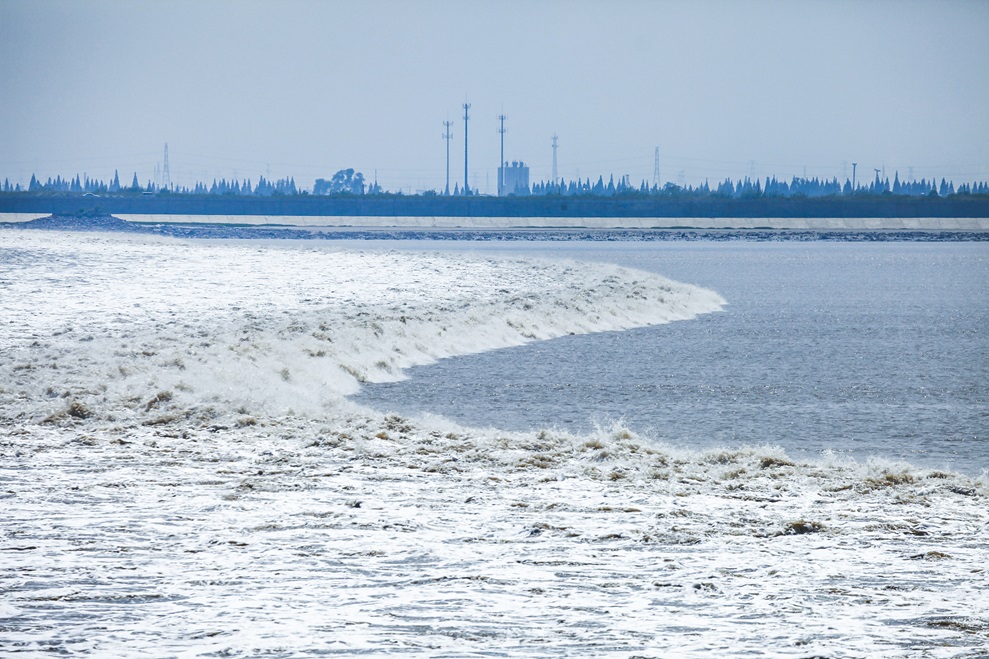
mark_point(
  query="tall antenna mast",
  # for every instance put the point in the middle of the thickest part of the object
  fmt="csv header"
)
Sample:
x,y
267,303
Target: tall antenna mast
x,y
854,167
555,176
655,170
466,118
166,180
447,135
501,165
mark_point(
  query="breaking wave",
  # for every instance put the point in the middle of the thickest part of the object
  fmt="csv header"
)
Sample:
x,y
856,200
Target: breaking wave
x,y
110,324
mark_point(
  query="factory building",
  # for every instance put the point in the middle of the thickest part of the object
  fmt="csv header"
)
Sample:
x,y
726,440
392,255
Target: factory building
x,y
514,179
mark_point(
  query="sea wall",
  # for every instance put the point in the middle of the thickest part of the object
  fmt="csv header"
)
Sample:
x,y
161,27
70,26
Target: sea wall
x,y
340,223
669,209
480,223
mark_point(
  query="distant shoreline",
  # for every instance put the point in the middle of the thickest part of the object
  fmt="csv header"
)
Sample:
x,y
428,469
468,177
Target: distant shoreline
x,y
554,211
507,229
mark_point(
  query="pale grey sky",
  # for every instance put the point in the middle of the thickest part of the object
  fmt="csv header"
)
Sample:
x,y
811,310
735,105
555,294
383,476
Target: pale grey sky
x,y
249,88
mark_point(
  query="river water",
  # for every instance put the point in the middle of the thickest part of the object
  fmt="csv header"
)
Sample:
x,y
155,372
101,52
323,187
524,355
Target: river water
x,y
197,459
857,349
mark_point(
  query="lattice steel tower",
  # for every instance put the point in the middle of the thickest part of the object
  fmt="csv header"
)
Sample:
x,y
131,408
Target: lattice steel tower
x,y
447,135
501,165
166,179
466,118
655,170
555,175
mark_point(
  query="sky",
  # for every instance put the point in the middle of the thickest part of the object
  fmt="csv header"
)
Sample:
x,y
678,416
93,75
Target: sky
x,y
249,88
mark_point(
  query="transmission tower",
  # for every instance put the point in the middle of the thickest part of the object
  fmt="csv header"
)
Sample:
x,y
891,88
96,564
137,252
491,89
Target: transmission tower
x,y
555,175
501,165
166,180
655,170
466,118
447,135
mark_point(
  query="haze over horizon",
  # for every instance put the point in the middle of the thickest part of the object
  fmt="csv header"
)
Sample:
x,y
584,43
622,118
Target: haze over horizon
x,y
303,89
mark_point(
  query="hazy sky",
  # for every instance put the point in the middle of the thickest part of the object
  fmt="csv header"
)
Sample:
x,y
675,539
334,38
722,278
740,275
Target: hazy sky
x,y
253,88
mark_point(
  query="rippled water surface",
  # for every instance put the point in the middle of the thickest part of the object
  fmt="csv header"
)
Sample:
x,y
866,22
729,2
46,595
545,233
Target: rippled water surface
x,y
861,349
183,474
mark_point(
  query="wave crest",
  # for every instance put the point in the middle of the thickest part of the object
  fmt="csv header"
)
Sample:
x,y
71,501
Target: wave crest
x,y
106,325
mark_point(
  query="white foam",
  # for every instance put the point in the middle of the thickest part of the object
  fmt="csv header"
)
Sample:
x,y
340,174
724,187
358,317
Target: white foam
x,y
158,526
289,327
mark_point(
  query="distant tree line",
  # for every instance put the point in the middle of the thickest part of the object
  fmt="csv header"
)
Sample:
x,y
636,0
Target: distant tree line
x,y
351,182
79,185
264,188
747,188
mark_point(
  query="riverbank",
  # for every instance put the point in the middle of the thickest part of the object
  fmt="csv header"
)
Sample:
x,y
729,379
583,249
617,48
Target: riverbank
x,y
323,222
580,210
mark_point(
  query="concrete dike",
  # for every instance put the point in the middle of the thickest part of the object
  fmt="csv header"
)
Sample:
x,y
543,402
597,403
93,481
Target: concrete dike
x,y
441,222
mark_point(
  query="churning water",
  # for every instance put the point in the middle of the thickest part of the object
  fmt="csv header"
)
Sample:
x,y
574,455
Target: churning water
x,y
182,473
860,349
